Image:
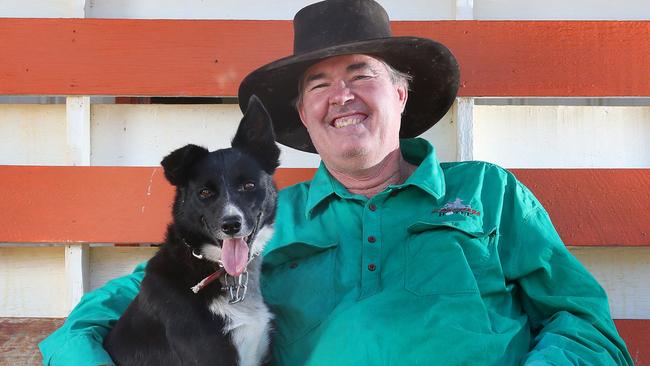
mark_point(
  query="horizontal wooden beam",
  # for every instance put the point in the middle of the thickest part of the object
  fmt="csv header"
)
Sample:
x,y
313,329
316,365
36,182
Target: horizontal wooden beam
x,y
210,57
590,207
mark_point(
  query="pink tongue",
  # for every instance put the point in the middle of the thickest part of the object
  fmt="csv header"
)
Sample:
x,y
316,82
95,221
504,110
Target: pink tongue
x,y
234,255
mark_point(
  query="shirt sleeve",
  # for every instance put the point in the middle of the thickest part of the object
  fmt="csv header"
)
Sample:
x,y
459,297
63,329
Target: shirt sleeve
x,y
567,308
79,341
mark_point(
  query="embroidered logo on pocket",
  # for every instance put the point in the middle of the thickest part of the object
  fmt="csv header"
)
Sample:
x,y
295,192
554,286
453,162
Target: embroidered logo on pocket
x,y
457,207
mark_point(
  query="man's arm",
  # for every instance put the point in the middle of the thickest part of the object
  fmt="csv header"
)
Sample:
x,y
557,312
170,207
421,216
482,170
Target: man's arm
x,y
79,340
567,308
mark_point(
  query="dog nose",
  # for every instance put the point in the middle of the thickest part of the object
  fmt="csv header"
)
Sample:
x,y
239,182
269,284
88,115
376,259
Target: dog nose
x,y
231,225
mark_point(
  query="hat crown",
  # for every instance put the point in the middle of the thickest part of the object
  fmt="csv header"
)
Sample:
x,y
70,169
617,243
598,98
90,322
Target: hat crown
x,y
336,22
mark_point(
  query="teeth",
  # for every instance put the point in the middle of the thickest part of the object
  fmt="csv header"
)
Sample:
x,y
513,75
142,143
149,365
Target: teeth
x,y
347,121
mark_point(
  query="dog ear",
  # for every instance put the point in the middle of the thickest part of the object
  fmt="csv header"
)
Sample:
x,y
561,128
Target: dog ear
x,y
255,136
177,165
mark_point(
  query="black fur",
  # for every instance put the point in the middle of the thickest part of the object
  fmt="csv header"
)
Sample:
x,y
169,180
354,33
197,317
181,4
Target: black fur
x,y
168,324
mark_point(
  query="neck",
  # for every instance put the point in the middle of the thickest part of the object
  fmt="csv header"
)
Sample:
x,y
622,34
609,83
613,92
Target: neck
x,y
393,169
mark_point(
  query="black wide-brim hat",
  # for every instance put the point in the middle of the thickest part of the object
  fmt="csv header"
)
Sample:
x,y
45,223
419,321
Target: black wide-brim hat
x,y
342,27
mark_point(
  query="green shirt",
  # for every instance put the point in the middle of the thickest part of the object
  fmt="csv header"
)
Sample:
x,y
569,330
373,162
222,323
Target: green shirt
x,y
460,264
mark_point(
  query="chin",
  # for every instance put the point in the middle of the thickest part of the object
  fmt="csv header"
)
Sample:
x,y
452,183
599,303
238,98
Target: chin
x,y
354,151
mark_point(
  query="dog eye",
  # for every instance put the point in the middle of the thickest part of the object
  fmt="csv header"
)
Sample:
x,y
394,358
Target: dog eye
x,y
205,193
248,186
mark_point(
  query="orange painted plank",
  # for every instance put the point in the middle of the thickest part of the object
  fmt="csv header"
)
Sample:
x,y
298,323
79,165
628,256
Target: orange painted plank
x,y
210,57
91,204
636,334
546,58
135,57
589,207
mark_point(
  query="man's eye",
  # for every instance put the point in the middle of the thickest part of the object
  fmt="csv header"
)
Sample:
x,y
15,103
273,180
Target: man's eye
x,y
248,186
318,86
205,193
361,77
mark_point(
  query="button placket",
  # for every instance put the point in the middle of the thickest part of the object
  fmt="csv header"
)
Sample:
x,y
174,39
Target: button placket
x,y
371,249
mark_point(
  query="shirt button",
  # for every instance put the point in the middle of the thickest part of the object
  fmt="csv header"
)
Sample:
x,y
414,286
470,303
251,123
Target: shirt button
x,y
372,207
293,265
372,239
371,267
393,193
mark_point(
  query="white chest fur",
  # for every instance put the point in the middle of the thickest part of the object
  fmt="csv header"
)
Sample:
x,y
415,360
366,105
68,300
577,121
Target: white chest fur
x,y
248,322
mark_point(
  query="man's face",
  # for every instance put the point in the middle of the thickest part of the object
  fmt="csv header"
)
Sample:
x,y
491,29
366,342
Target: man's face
x,y
352,111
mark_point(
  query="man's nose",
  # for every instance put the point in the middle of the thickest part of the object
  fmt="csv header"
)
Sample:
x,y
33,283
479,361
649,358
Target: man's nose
x,y
341,93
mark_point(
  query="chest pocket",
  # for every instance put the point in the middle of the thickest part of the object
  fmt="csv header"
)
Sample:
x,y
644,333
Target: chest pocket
x,y
299,288
445,256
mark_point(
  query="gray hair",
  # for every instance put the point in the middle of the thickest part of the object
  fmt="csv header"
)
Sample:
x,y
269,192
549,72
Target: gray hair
x,y
397,77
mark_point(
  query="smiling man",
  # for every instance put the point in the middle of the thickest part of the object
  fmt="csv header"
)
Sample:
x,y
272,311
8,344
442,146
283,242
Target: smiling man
x,y
349,105
387,256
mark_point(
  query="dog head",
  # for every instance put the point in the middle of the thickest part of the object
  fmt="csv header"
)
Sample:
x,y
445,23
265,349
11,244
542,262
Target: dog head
x,y
226,199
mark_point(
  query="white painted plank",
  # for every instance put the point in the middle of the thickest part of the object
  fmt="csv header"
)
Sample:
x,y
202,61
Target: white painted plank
x,y
562,10
141,135
512,136
624,274
264,9
33,134
107,263
32,282
42,9
32,279
443,136
250,9
562,136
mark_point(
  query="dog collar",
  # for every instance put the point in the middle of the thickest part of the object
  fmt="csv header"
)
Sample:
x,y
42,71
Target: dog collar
x,y
206,281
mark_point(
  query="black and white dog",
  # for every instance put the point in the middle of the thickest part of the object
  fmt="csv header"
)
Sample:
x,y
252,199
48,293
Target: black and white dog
x,y
200,301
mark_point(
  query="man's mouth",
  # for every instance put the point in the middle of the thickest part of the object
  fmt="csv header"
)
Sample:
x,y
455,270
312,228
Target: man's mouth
x,y
348,120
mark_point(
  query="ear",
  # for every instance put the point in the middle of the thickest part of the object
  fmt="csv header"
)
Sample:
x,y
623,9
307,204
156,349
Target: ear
x,y
177,165
301,114
403,95
255,136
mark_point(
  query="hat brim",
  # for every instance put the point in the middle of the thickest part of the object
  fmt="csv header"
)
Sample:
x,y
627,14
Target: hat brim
x,y
432,91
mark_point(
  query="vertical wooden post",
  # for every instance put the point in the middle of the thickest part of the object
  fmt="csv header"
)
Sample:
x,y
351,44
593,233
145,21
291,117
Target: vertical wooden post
x,y
78,136
76,273
464,9
463,115
77,113
463,110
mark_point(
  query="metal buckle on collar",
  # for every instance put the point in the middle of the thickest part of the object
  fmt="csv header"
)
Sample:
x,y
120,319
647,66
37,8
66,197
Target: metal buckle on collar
x,y
236,287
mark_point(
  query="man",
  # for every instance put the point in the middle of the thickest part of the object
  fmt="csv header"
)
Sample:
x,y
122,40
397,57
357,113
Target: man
x,y
387,256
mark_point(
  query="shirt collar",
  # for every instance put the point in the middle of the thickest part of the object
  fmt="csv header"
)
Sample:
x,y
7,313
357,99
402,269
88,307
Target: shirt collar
x,y
321,187
428,176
